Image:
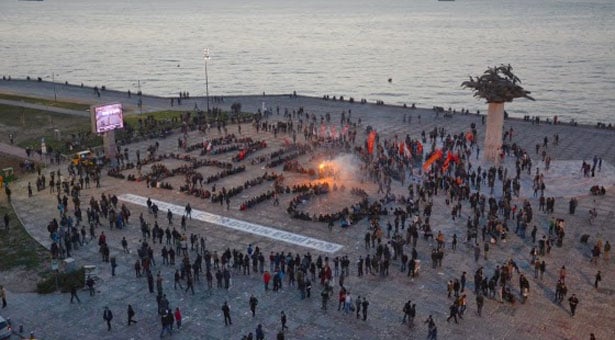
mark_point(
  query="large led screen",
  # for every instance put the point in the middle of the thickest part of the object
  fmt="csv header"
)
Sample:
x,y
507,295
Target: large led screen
x,y
107,117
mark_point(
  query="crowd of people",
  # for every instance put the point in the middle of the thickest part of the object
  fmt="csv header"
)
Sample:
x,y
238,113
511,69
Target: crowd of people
x,y
486,201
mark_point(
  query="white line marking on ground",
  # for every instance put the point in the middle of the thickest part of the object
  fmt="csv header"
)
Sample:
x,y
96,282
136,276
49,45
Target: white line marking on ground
x,y
231,223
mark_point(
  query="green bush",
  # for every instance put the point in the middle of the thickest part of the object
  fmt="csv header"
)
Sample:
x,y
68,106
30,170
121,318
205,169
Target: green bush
x,y
65,282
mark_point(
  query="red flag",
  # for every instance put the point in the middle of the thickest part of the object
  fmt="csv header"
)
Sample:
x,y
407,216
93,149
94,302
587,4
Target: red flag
x,y
436,155
455,158
419,147
371,139
449,158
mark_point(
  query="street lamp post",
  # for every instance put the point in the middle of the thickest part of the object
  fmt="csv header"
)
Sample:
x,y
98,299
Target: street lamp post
x,y
140,98
53,80
139,95
206,58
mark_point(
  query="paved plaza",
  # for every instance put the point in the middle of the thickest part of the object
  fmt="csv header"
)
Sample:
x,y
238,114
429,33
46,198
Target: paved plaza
x,y
54,317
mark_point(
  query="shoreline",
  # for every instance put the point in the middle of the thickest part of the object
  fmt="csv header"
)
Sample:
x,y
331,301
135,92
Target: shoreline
x,y
49,85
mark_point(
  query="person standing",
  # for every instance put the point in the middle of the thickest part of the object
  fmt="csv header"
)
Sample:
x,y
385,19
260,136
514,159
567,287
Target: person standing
x,y
573,301
325,298
453,310
365,304
189,283
113,265
125,245
348,303
226,309
7,220
253,302
406,310
167,323
150,281
188,211
266,279
476,252
170,216
3,296
73,294
431,328
178,317
131,314
90,283
283,320
480,301
177,278
260,334
358,305
598,279
412,315
108,316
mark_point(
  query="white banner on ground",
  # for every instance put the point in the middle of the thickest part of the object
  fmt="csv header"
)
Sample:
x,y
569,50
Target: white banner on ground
x,y
231,223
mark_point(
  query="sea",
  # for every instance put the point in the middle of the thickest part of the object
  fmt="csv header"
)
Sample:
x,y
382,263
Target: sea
x,y
396,51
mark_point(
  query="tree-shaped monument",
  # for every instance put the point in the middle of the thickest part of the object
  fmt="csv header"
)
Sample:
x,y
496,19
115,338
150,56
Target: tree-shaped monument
x,y
497,86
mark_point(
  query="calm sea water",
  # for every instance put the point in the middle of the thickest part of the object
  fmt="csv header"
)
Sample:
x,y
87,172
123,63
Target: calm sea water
x,y
563,50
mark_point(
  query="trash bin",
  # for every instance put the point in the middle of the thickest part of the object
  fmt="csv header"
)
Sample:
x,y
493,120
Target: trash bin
x,y
69,265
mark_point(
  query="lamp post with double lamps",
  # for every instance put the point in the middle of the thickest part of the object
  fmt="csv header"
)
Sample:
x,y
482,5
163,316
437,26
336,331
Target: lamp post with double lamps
x,y
206,58
53,80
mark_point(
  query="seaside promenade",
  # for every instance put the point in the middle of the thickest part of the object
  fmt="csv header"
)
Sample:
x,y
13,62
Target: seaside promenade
x,y
53,317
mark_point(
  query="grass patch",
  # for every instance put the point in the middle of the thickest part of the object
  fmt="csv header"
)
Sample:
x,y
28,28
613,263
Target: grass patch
x,y
64,282
62,144
28,119
30,125
17,248
133,119
46,102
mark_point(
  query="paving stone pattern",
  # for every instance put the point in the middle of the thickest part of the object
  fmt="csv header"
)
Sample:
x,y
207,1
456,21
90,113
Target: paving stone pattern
x,y
53,317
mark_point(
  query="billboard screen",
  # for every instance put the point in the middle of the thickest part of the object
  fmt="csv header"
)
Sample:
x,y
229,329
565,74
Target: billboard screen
x,y
107,117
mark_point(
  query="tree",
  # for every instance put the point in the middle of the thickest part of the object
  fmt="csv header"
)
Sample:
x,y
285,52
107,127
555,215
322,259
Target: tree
x,y
497,86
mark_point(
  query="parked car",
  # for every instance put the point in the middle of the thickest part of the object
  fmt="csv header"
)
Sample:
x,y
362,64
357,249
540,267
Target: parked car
x,y
6,330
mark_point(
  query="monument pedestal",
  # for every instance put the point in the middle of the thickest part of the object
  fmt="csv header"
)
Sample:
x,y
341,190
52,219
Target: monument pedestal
x,y
493,133
109,144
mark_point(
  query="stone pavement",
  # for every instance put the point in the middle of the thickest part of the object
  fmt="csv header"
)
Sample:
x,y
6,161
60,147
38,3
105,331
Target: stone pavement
x,y
15,151
53,317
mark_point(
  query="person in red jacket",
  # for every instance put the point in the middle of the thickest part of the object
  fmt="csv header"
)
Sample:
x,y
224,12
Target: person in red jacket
x,y
266,279
178,317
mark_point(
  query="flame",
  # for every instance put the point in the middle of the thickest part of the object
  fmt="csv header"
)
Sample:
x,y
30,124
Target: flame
x,y
321,166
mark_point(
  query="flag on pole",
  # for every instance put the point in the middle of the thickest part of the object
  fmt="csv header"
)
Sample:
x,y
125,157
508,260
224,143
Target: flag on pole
x,y
407,151
371,140
436,155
